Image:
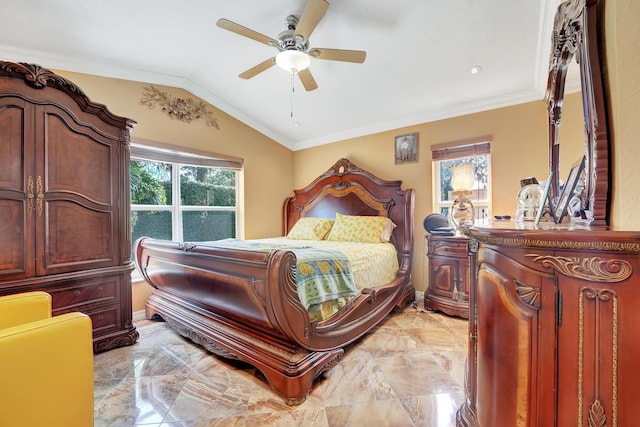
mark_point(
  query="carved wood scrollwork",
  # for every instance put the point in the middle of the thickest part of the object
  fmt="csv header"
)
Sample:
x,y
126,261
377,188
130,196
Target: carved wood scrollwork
x,y
601,300
593,269
199,338
258,287
474,245
528,294
185,246
597,416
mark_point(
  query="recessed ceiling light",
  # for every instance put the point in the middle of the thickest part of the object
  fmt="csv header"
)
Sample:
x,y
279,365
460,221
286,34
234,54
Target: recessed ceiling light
x,y
476,69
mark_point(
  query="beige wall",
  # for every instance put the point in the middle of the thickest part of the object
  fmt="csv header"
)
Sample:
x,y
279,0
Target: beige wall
x,y
623,61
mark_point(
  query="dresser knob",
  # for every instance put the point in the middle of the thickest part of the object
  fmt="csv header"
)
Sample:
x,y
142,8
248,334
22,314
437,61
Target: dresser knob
x,y
76,293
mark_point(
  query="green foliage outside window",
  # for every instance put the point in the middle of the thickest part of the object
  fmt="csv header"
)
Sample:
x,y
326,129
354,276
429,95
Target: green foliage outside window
x,y
145,188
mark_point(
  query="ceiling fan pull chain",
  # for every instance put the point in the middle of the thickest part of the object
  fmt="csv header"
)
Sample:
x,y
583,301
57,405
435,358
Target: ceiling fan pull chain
x,y
293,89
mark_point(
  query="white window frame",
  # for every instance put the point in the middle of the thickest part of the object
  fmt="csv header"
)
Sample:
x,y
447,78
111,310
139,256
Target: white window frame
x,y
460,150
177,157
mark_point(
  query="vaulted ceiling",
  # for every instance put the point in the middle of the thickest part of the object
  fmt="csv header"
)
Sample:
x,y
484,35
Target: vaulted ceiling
x,y
419,53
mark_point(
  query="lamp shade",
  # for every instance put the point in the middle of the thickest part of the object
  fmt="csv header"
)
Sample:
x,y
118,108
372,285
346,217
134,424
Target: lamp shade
x,y
462,177
293,61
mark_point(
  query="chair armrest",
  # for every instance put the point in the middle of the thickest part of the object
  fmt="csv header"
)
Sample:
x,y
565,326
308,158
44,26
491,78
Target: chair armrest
x,y
24,308
46,368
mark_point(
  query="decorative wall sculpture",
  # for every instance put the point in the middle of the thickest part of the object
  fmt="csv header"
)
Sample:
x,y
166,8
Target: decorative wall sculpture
x,y
182,109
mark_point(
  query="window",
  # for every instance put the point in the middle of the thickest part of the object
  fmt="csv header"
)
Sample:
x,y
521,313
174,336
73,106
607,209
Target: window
x,y
183,196
476,152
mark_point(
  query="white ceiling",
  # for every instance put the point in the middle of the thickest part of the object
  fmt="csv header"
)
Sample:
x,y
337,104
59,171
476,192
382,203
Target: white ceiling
x,y
416,70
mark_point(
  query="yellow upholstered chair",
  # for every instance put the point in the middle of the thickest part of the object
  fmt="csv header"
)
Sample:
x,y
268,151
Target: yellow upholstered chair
x,y
46,364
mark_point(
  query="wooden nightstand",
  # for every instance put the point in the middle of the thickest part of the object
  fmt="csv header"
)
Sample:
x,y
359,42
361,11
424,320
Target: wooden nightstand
x,y
448,289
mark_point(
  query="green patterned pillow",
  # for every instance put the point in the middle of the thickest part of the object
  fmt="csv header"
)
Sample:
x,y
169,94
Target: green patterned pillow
x,y
310,228
351,228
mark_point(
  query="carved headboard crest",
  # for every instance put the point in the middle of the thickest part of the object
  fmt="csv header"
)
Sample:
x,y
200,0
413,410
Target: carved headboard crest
x,y
342,167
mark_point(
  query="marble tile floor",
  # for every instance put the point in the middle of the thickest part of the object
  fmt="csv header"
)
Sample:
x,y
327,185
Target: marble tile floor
x,y
407,372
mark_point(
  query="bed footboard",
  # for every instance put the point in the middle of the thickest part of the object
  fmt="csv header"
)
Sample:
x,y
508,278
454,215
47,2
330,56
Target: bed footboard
x,y
243,304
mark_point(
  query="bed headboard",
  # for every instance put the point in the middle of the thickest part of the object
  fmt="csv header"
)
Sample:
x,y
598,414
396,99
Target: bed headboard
x,y
347,189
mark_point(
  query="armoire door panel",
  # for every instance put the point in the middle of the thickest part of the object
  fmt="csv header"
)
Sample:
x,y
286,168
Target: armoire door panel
x,y
17,185
513,337
14,146
93,159
64,249
16,258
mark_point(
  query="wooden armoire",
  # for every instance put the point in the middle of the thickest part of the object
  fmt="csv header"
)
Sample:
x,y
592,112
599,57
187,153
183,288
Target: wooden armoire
x,y
64,200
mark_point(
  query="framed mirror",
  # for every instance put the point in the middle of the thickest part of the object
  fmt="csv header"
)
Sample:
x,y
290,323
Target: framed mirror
x,y
577,37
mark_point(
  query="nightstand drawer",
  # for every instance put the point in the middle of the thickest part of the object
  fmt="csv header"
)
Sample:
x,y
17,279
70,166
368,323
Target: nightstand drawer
x,y
449,247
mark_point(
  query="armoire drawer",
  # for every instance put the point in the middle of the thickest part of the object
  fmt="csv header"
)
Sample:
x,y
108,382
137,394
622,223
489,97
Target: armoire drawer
x,y
105,319
102,290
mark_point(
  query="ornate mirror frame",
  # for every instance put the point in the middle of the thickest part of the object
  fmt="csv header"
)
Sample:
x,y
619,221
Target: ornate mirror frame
x,y
577,32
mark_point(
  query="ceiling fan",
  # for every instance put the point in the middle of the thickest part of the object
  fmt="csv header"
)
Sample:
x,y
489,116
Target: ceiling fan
x,y
293,44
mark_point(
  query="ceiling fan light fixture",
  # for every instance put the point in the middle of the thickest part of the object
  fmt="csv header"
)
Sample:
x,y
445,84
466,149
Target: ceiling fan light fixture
x,y
293,61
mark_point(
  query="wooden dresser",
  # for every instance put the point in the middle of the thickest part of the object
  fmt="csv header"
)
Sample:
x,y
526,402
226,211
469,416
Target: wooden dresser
x,y
64,200
553,333
448,289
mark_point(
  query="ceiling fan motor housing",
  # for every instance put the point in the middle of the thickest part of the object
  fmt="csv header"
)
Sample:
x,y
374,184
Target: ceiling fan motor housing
x,y
287,39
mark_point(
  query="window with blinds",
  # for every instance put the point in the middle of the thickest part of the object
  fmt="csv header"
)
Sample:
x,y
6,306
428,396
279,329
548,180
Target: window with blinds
x,y
183,196
476,151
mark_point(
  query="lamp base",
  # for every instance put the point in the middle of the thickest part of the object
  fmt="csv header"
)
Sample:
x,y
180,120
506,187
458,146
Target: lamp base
x,y
462,209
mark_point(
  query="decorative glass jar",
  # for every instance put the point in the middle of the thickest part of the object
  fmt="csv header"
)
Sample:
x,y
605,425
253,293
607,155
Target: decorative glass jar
x,y
528,199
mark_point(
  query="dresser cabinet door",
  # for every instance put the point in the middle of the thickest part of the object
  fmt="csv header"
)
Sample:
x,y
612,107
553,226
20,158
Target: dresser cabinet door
x,y
598,339
516,336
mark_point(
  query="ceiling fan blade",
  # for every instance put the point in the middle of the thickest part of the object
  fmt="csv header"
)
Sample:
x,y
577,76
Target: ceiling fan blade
x,y
339,55
246,32
311,16
307,80
254,71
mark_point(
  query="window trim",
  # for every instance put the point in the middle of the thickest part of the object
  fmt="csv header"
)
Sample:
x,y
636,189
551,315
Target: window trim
x,y
463,148
158,151
471,147
141,149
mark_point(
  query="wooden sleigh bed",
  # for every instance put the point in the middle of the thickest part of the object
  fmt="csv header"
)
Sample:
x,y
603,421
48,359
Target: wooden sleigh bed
x,y
243,304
